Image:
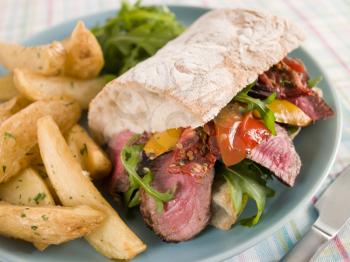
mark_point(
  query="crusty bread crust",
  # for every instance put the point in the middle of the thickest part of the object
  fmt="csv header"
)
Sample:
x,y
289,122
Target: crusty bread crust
x,y
189,80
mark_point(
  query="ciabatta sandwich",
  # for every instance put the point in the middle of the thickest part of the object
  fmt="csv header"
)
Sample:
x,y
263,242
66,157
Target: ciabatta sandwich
x,y
216,103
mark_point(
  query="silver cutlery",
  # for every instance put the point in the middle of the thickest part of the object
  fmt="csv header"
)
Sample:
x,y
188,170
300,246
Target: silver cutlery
x,y
334,210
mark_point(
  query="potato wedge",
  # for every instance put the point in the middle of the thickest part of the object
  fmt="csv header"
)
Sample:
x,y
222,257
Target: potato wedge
x,y
84,53
12,106
90,156
18,134
37,87
48,225
38,166
33,156
52,190
45,59
113,239
7,87
27,188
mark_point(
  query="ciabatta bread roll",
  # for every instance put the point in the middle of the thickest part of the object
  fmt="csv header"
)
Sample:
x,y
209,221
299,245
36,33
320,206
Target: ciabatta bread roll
x,y
189,80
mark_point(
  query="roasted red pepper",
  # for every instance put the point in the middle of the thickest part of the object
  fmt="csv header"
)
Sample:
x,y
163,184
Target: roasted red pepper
x,y
237,134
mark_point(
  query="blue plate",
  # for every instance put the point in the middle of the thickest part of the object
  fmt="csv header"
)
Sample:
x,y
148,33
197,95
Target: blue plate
x,y
317,146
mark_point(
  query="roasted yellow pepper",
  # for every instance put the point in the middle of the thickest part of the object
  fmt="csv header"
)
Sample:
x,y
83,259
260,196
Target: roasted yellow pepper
x,y
288,113
162,142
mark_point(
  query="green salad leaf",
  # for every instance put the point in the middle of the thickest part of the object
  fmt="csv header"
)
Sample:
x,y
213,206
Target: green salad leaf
x,y
266,114
134,34
292,130
131,157
248,180
314,82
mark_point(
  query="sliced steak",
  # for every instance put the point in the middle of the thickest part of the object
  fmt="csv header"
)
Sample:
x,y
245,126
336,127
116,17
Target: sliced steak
x,y
279,156
289,79
190,170
188,213
314,106
119,181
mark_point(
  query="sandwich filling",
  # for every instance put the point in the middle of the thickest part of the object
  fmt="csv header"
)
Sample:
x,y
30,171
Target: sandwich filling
x,y
184,178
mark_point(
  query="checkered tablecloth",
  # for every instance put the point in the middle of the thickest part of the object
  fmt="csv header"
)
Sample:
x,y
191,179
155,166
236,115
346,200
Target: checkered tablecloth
x,y
327,24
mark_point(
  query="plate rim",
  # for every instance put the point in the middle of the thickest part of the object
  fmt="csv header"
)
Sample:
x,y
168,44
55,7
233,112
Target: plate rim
x,y
302,204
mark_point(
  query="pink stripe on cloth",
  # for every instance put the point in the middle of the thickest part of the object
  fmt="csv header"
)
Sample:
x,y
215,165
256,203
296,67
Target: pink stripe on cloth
x,y
341,248
205,3
319,35
49,12
314,200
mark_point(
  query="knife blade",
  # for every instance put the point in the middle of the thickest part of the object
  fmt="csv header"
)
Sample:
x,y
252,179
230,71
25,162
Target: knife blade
x,y
333,212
